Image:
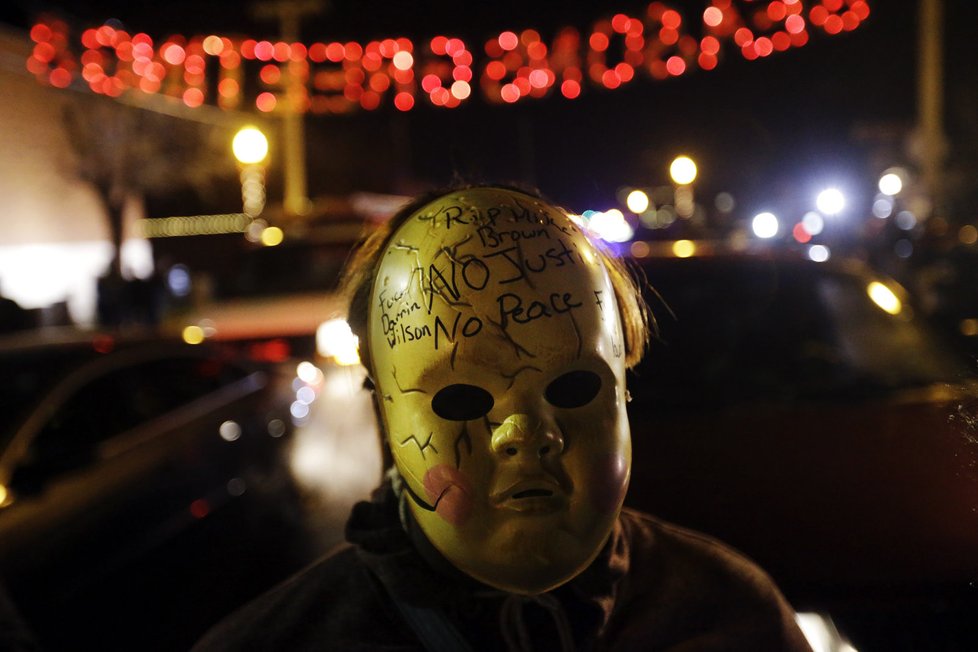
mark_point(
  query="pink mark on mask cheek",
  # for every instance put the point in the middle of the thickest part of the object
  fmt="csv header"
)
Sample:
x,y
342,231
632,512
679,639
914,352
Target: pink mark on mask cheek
x,y
609,480
451,493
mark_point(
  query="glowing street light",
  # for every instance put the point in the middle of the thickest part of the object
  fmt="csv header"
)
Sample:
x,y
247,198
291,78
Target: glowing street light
x,y
765,225
683,170
830,201
637,201
250,146
890,184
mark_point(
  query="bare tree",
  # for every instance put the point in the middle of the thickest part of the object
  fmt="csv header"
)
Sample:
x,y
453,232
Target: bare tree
x,y
125,151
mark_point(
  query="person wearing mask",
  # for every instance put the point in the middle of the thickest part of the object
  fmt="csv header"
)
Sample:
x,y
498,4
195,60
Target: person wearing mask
x,y
497,336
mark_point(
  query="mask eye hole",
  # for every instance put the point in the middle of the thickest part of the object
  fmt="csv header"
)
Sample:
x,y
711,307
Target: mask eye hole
x,y
573,389
461,402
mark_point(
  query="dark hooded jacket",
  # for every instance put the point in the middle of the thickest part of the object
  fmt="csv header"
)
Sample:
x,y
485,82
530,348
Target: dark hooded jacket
x,y
654,586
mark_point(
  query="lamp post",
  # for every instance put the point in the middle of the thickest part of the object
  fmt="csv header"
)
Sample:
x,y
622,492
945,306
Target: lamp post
x,y
682,170
250,148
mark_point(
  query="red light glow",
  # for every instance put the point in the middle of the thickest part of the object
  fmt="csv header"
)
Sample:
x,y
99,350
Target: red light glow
x,y
173,54
507,41
404,101
800,233
710,45
60,78
193,97
661,42
712,16
676,66
200,508
266,102
671,19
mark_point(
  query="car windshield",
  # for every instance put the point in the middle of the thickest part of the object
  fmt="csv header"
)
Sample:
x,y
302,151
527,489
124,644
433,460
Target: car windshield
x,y
749,329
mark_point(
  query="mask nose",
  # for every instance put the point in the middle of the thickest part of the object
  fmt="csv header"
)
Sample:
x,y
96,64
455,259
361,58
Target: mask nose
x,y
521,436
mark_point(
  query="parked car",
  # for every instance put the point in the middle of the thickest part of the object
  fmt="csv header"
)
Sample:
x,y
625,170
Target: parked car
x,y
803,413
116,454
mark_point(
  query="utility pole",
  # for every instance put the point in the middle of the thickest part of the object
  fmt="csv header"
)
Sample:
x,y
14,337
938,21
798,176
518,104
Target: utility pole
x,y
289,13
930,101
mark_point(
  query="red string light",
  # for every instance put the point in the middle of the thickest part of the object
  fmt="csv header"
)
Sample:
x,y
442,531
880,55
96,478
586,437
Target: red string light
x,y
341,77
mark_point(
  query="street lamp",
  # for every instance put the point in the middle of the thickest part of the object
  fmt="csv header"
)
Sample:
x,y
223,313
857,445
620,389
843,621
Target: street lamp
x,y
830,201
890,184
683,170
250,148
765,225
637,201
683,173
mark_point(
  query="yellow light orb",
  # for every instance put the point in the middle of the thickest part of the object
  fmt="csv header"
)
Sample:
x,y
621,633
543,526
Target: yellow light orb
x,y
683,248
637,201
271,236
968,234
193,334
683,170
250,146
969,327
884,297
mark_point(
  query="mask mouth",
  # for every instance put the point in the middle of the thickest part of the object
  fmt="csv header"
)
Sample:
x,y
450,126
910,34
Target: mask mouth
x,y
531,494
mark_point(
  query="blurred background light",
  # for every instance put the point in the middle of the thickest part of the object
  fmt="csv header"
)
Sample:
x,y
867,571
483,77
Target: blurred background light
x,y
236,487
308,373
830,201
306,394
813,222
968,234
276,428
637,201
884,297
685,205
299,411
178,280
683,248
905,220
821,633
336,341
255,229
42,274
230,430
903,248
883,207
193,334
890,184
272,236
610,226
724,202
967,327
800,233
250,146
640,249
819,253
682,170
765,225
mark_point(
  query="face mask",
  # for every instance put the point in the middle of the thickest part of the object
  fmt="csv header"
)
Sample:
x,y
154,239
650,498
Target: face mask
x,y
499,369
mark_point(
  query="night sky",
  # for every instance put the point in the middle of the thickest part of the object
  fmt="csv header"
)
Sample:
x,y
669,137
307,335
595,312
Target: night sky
x,y
771,131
